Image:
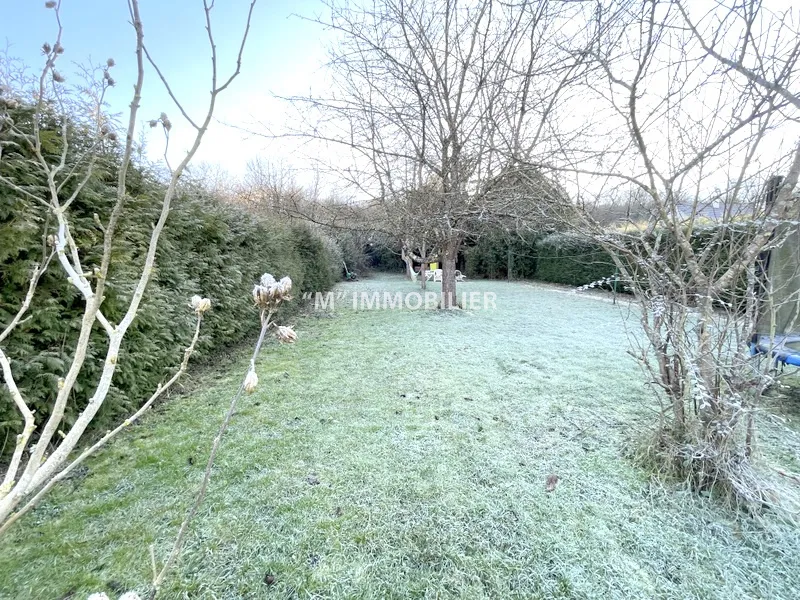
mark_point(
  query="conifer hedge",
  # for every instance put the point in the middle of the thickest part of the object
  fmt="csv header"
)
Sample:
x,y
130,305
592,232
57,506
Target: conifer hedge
x,y
208,248
572,260
489,256
576,260
557,258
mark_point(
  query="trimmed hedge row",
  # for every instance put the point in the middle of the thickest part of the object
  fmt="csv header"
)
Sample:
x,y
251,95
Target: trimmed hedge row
x,y
492,255
207,248
575,260
556,258
572,259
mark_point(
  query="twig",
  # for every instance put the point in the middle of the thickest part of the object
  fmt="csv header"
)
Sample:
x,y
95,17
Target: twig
x,y
201,493
792,476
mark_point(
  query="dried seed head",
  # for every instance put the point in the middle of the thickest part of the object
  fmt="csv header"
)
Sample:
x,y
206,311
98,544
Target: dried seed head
x,y
286,286
50,4
112,136
251,381
51,240
58,77
268,293
153,123
167,124
286,334
263,291
110,63
261,296
46,48
199,304
111,81
164,117
59,48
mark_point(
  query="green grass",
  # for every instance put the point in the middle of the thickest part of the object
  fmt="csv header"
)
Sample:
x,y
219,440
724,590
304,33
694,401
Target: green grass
x,y
403,454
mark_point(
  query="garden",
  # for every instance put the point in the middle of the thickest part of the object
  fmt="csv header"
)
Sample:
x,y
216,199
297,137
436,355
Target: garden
x,y
494,300
399,453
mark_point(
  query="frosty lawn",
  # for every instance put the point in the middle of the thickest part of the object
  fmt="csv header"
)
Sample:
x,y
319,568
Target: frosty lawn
x,y
399,454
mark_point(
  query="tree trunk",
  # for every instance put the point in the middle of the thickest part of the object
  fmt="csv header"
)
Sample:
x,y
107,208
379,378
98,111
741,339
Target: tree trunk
x,y
449,256
423,266
750,437
707,366
510,263
406,256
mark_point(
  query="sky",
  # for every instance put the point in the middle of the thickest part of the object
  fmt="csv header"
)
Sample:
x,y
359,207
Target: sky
x,y
284,56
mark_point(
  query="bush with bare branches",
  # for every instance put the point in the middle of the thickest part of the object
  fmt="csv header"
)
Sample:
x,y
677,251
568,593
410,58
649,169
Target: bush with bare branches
x,y
34,467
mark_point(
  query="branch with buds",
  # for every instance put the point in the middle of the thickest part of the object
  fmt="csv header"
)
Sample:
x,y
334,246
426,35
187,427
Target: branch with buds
x,y
268,295
48,460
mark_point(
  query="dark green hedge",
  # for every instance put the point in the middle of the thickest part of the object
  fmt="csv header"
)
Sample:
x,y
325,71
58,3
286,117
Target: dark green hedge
x,y
493,254
575,260
208,248
572,260
557,258
379,256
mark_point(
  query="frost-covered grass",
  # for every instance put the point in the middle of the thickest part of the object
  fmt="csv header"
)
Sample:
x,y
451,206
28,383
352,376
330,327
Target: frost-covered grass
x,y
401,454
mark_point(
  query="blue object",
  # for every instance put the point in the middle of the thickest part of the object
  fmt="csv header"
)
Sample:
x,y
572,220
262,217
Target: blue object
x,y
783,348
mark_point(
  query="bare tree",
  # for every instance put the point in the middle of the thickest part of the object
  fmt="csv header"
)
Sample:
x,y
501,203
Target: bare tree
x,y
445,95
272,188
412,217
36,466
693,111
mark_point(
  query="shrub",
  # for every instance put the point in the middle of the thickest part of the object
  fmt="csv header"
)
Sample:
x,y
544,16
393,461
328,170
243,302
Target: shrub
x,y
489,256
572,259
208,248
576,260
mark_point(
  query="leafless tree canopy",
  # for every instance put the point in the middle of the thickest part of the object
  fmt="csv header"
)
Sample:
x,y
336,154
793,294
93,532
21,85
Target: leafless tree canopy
x,y
658,117
442,101
691,108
